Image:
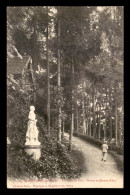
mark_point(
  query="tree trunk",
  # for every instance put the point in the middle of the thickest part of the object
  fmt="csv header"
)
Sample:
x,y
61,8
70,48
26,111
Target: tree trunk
x,y
86,116
116,138
48,80
33,82
116,124
76,112
34,37
59,79
83,110
53,121
87,127
119,128
90,131
94,120
72,109
63,128
105,128
77,119
99,124
34,59
110,119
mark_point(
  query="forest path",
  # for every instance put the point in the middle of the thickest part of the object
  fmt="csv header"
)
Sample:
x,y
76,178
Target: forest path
x,y
98,173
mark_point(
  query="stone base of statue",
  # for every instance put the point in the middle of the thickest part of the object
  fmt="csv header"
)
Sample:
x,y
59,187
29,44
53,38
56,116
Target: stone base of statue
x,y
33,149
32,143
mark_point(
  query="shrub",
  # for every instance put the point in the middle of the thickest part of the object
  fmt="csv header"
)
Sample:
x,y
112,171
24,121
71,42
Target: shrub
x,y
99,143
55,161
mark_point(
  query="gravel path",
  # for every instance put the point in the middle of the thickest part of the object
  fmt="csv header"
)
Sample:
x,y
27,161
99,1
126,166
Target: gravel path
x,y
99,173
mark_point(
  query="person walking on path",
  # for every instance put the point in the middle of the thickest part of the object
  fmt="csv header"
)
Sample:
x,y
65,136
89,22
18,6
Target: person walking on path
x,y
104,151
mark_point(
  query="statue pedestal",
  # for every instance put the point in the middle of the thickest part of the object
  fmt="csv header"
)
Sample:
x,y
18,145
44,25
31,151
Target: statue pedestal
x,y
34,150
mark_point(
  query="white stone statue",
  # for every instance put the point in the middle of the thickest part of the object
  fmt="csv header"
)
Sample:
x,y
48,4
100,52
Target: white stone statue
x,y
8,140
32,131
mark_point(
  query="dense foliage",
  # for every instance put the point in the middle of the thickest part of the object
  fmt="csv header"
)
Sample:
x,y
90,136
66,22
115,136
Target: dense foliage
x,y
55,161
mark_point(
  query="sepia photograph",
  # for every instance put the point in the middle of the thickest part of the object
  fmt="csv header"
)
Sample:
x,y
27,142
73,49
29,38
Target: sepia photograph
x,y
65,97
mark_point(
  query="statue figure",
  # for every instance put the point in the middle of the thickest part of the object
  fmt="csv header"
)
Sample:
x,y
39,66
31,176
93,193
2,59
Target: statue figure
x,y
32,131
8,140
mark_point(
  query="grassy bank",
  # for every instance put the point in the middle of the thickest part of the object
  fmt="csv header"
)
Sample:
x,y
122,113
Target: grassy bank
x,y
55,162
118,159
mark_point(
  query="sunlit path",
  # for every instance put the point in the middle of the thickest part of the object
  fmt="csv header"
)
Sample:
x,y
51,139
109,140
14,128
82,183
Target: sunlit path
x,y
97,169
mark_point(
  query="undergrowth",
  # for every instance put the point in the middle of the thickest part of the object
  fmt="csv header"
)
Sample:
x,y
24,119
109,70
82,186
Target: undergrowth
x,y
55,161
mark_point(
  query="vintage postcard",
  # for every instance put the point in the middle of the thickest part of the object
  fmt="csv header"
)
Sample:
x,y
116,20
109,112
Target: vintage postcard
x,y
65,114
